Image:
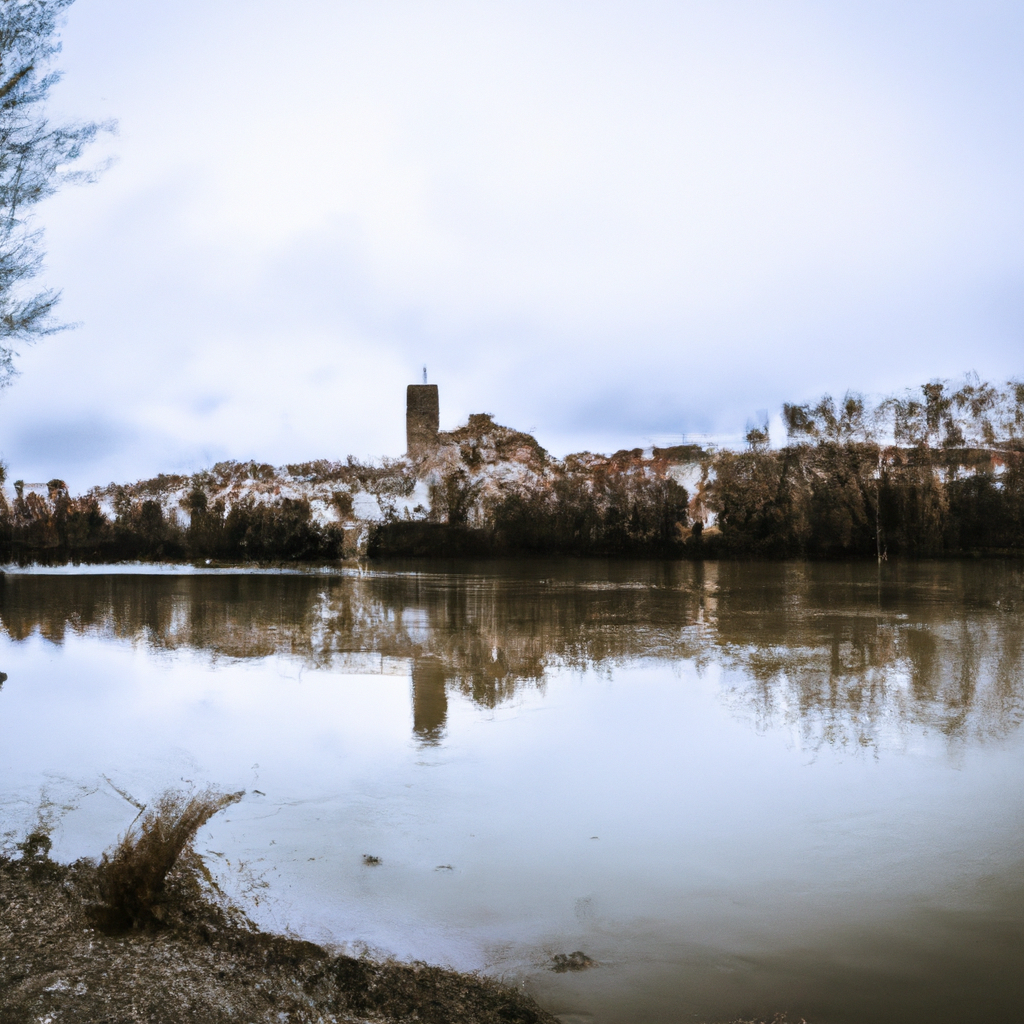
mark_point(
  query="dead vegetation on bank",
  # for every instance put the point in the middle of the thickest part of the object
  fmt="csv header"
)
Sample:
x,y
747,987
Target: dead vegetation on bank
x,y
133,879
145,936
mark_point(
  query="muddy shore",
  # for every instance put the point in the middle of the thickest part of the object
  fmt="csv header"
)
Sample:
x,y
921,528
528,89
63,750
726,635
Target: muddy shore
x,y
63,959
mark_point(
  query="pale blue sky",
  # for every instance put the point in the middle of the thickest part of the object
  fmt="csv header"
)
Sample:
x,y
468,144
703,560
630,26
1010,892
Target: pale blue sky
x,y
606,222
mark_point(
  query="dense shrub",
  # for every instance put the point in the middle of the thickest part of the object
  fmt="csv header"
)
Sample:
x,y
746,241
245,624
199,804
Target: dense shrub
x,y
59,528
854,499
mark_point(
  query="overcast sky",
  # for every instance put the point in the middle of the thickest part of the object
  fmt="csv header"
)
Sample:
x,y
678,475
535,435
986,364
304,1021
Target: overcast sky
x,y
603,222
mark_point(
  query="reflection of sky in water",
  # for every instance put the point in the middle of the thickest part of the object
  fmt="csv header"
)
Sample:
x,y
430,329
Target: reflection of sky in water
x,y
795,784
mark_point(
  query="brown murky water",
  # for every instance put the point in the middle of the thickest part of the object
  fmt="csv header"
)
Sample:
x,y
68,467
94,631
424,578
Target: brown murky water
x,y
736,788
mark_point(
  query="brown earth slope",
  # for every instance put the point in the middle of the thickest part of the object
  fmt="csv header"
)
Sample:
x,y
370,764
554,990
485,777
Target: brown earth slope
x,y
61,960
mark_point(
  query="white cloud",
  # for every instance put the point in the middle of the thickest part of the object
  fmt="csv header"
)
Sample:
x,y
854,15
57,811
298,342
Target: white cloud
x,y
598,220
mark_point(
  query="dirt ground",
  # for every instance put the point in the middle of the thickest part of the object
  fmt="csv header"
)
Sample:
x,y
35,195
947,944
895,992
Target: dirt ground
x,y
63,959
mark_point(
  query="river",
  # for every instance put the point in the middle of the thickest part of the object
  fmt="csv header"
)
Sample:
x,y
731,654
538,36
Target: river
x,y
737,788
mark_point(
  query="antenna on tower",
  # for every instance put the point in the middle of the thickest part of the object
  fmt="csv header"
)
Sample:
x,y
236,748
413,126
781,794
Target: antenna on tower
x,y
424,373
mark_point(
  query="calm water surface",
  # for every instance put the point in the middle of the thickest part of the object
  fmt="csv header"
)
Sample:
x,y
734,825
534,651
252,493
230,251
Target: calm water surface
x,y
739,789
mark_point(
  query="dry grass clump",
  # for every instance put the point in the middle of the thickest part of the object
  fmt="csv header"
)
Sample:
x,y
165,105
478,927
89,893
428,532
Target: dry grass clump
x,y
35,854
134,879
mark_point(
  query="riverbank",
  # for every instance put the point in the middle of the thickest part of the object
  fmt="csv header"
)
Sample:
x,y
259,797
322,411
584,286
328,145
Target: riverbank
x,y
908,478
57,964
60,960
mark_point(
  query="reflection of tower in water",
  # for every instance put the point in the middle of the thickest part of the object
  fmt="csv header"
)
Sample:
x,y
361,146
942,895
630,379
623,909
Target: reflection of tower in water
x,y
846,656
429,700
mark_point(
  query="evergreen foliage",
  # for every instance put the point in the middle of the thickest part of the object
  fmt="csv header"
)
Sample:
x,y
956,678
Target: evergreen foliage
x,y
59,528
35,160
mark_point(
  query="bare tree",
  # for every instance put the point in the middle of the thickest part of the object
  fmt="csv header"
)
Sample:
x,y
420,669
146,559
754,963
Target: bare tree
x,y
36,158
825,422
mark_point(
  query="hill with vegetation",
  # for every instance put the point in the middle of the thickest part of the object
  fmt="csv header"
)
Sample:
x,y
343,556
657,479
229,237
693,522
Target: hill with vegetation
x,y
933,473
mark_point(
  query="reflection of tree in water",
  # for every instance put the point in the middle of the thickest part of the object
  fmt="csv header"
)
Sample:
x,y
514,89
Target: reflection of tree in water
x,y
836,651
848,658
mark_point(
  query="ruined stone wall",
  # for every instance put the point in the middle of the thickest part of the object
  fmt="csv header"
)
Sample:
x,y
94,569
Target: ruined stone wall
x,y
422,418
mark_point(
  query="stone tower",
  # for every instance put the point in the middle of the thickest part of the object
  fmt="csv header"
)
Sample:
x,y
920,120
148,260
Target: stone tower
x,y
422,418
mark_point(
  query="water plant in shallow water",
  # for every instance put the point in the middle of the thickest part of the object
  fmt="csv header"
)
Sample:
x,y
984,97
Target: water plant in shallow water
x,y
133,880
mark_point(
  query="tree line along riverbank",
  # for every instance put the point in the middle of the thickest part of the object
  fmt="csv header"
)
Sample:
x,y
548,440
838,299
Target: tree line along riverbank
x,y
939,475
